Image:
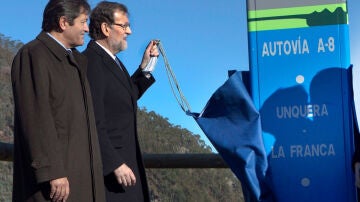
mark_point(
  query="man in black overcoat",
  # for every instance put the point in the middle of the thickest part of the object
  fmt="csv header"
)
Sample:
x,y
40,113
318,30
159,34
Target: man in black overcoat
x,y
115,96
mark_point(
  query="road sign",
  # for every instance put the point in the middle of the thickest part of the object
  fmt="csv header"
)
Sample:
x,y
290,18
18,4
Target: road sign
x,y
299,61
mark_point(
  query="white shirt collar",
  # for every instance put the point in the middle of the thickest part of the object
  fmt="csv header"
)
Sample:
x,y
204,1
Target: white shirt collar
x,y
68,49
106,50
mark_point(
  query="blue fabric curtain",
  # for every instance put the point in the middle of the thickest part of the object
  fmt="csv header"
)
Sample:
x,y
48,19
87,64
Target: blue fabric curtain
x,y
232,124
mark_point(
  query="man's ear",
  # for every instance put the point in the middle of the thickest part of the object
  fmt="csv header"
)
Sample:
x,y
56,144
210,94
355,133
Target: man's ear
x,y
105,28
63,23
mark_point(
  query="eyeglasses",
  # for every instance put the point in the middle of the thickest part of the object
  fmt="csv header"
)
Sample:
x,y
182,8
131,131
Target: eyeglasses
x,y
123,26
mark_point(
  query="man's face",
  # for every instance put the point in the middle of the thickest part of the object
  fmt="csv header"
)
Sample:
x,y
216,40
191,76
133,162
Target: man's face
x,y
120,29
74,34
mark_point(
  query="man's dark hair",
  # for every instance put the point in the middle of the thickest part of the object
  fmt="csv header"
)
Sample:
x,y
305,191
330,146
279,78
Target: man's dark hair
x,y
103,12
55,9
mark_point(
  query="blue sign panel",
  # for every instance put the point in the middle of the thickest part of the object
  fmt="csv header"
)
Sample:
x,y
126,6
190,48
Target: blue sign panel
x,y
299,62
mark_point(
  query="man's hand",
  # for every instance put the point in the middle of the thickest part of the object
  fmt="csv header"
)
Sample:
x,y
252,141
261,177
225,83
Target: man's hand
x,y
125,175
151,51
60,189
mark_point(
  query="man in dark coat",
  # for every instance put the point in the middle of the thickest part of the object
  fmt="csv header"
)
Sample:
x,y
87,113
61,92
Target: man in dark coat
x,y
56,150
115,96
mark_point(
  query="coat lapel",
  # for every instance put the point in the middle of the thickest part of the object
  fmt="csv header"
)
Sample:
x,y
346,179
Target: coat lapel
x,y
122,75
75,59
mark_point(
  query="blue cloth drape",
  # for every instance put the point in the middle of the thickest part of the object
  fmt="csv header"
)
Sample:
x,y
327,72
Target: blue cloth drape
x,y
232,124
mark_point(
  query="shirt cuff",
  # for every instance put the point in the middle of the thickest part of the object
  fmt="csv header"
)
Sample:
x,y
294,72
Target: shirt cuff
x,y
147,74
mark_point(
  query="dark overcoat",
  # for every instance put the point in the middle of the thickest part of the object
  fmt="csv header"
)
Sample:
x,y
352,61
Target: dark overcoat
x,y
55,133
115,96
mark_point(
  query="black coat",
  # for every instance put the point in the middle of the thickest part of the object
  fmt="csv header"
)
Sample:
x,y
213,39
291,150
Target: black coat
x,y
115,96
55,133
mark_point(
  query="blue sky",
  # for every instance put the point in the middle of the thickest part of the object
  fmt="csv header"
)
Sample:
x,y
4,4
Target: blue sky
x,y
202,39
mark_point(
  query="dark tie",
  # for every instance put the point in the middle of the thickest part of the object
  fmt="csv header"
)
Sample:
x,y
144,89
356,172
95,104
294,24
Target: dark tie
x,y
123,69
71,57
118,63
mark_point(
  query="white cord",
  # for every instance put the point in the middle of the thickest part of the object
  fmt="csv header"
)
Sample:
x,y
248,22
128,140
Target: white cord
x,y
179,96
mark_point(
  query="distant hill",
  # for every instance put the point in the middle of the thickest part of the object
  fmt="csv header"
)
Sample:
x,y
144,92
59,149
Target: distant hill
x,y
157,135
8,48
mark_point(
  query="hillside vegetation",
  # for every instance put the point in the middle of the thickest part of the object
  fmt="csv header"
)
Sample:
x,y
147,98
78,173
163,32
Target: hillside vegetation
x,y
157,135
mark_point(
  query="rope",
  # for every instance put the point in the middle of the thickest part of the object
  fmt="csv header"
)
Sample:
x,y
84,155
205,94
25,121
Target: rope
x,y
179,96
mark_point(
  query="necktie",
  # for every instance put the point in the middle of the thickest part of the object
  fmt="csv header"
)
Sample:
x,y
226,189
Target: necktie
x,y
126,74
118,63
71,57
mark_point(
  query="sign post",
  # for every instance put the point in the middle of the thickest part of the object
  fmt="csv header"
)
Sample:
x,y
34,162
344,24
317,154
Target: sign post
x,y
299,61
